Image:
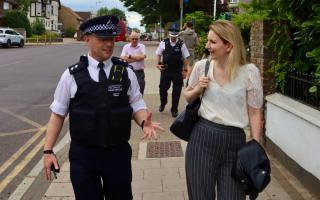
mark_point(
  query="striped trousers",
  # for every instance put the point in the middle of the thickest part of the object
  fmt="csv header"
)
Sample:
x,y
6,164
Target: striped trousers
x,y
210,154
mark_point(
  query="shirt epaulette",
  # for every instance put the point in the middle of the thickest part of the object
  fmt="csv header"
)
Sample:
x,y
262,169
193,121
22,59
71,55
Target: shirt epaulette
x,y
82,64
119,61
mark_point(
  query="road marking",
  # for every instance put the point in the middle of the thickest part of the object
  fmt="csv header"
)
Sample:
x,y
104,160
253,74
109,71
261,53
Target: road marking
x,y
16,155
36,105
21,165
27,182
22,118
19,132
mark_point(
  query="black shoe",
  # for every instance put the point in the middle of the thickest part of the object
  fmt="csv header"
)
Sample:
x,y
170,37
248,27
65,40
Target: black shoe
x,y
161,108
174,114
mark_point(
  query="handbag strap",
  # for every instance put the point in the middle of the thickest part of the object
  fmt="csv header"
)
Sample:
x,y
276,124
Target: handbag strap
x,y
206,70
207,67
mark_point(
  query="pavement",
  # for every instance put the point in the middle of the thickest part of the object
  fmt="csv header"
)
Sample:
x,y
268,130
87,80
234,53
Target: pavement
x,y
153,178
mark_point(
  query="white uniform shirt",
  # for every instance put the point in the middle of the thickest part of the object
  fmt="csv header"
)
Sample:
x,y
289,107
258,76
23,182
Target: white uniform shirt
x,y
67,88
138,50
162,45
227,104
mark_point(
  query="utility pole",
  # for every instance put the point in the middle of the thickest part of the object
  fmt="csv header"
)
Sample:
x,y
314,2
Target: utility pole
x,y
181,14
160,21
214,9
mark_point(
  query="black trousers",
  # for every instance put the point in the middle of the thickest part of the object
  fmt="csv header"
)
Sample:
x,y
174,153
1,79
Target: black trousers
x,y
211,152
140,77
165,83
98,173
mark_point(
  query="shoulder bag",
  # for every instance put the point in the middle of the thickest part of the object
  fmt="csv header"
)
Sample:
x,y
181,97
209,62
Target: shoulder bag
x,y
183,124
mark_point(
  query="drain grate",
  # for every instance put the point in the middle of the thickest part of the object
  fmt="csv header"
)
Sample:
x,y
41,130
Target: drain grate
x,y
164,149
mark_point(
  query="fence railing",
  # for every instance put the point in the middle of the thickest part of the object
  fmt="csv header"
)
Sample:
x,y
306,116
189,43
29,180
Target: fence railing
x,y
298,86
43,40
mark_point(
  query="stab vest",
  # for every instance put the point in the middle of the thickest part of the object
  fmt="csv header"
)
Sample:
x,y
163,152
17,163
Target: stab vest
x,y
172,56
100,113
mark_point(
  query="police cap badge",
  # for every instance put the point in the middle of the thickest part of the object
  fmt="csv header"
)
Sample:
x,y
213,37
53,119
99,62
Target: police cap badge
x,y
102,27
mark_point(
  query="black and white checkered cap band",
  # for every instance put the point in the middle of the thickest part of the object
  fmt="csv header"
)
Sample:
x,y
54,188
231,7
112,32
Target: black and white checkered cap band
x,y
100,27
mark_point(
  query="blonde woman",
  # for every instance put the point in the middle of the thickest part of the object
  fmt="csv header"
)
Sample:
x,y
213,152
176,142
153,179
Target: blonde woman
x,y
232,99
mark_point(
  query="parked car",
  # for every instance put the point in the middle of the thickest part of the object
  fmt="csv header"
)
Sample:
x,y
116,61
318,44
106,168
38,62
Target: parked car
x,y
9,37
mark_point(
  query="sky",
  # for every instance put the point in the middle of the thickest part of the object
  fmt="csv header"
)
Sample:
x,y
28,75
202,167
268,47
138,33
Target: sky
x,y
133,18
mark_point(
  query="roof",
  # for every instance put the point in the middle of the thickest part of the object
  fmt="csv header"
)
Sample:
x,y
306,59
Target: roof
x,y
72,12
85,15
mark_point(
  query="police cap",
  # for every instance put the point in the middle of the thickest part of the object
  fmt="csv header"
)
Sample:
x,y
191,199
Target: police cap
x,y
173,32
103,27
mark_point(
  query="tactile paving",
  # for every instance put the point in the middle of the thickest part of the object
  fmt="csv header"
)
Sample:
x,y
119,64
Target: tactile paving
x,y
164,149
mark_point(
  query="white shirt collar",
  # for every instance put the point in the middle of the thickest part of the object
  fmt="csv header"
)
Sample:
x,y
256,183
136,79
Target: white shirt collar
x,y
94,63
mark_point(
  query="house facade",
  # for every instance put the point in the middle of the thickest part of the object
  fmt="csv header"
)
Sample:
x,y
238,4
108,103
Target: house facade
x,y
46,10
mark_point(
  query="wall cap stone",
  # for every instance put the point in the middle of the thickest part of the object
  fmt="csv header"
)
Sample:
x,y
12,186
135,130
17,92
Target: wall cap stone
x,y
303,111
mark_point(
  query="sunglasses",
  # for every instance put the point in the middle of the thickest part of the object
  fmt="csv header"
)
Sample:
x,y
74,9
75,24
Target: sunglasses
x,y
134,38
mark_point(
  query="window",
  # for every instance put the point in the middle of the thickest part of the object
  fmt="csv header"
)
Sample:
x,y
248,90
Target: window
x,y
1,31
9,32
33,10
38,9
6,6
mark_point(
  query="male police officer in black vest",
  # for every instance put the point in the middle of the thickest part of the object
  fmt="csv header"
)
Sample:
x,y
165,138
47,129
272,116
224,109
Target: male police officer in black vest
x,y
101,95
174,62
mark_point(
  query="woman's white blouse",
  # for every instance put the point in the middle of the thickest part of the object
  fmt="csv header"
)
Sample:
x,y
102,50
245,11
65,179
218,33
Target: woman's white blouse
x,y
228,104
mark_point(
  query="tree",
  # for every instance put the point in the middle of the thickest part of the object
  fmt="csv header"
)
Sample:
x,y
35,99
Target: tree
x,y
103,11
23,5
119,13
169,10
17,19
114,11
38,27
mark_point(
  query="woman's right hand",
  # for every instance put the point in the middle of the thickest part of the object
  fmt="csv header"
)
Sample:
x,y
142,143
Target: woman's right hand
x,y
203,84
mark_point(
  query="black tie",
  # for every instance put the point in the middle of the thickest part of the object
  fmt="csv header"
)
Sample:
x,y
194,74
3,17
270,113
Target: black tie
x,y
102,73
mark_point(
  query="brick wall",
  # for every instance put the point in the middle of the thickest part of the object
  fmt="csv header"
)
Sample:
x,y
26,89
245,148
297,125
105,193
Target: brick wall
x,y
261,56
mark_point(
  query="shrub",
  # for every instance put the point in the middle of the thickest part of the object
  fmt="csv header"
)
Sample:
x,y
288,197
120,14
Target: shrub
x,y
38,27
69,32
17,19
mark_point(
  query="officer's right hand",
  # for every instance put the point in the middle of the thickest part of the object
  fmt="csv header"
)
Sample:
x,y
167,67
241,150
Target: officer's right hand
x,y
48,161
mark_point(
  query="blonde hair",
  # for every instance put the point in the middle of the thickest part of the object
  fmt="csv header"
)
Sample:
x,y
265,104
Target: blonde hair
x,y
230,33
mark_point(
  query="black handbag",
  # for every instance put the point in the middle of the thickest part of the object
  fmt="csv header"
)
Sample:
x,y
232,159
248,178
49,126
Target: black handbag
x,y
183,124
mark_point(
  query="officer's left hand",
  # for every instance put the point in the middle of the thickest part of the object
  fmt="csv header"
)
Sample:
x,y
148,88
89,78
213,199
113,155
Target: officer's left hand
x,y
150,127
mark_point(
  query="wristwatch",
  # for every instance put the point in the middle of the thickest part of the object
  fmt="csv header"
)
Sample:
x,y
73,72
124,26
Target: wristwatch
x,y
129,56
142,124
48,152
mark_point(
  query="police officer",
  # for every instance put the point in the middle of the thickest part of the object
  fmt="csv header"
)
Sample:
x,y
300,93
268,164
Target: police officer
x,y
101,95
174,54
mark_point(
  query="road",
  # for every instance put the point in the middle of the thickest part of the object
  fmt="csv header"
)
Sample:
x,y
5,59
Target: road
x,y
28,77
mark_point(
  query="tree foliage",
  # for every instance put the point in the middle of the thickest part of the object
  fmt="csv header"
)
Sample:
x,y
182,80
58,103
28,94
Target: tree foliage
x,y
169,10
17,19
201,26
23,5
103,11
114,11
38,27
295,40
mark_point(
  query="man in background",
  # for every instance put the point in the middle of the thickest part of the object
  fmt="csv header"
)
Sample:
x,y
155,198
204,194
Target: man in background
x,y
135,53
190,38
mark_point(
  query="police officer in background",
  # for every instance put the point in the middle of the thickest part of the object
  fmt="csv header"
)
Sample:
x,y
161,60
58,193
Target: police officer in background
x,y
173,53
101,95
